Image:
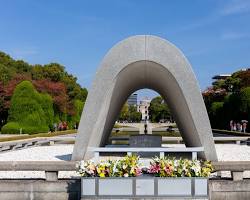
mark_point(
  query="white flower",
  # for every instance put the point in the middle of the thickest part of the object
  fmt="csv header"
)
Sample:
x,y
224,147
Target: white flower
x,y
196,167
176,163
115,167
124,166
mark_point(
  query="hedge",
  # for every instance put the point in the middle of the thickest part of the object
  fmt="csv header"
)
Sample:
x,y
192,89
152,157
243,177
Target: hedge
x,y
29,110
14,128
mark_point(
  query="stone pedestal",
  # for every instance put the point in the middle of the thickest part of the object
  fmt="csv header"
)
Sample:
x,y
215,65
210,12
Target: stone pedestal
x,y
145,141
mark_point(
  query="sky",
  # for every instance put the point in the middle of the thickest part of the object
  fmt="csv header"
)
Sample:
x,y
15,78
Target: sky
x,y
214,35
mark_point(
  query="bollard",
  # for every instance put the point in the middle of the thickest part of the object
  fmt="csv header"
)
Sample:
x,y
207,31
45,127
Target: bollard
x,y
51,175
237,176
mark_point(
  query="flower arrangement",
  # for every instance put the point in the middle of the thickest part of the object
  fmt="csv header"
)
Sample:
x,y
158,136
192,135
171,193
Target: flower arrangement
x,y
86,168
125,167
170,167
160,167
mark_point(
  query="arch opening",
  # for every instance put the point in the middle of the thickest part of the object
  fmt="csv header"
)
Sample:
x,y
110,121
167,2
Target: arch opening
x,y
152,78
144,106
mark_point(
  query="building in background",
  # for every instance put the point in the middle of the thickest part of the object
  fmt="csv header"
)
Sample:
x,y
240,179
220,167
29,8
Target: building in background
x,y
225,76
221,76
143,108
132,100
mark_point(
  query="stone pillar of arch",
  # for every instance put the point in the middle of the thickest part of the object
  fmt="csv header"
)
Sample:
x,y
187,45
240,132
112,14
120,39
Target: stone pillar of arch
x,y
138,62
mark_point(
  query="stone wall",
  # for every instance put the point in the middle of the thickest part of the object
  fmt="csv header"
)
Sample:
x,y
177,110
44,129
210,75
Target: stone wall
x,y
69,189
229,190
38,189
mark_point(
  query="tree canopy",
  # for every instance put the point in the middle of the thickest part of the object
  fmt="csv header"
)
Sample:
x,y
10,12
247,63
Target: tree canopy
x,y
229,99
129,113
158,110
51,79
30,112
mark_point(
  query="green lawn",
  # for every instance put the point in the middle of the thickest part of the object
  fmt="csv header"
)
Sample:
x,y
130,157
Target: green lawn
x,y
22,137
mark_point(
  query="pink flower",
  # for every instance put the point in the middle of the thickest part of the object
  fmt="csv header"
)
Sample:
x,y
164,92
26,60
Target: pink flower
x,y
154,168
138,171
168,169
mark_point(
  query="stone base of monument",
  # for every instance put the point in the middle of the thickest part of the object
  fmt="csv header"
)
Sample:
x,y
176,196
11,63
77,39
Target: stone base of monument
x,y
145,141
144,187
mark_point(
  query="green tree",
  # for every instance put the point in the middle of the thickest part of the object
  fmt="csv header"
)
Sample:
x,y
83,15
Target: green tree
x,y
5,74
37,72
75,118
129,113
158,110
216,114
74,90
26,110
53,71
50,78
133,115
46,103
21,66
124,112
245,104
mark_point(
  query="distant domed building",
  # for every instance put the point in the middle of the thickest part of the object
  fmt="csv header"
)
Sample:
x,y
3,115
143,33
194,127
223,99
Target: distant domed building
x,y
143,108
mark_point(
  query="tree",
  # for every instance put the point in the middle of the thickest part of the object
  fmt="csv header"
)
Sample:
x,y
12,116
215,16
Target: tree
x,y
27,112
37,72
216,114
6,60
245,104
211,95
46,103
129,113
5,73
2,108
124,112
158,110
74,119
11,85
21,66
54,72
74,90
133,115
58,92
50,78
244,78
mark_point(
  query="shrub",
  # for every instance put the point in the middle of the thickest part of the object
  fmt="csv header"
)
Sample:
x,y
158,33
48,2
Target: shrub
x,y
30,111
75,119
11,128
46,102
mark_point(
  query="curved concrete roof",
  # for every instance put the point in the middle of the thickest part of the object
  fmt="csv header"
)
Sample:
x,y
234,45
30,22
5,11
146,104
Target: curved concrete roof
x,y
138,62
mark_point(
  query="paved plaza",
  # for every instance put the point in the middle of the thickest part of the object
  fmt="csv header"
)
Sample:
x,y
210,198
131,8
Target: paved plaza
x,y
225,152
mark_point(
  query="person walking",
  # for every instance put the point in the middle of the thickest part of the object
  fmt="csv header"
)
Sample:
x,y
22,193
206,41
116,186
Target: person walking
x,y
244,126
234,126
231,125
238,126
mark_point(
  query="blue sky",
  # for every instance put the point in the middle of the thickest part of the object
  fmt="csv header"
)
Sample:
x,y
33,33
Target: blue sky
x,y
213,34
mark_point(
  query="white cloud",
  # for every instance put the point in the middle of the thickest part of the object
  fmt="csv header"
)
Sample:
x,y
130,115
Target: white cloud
x,y
236,7
234,36
229,8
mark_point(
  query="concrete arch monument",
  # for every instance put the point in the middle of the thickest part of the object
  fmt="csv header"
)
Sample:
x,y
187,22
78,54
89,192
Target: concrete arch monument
x,y
135,63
